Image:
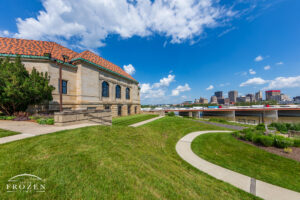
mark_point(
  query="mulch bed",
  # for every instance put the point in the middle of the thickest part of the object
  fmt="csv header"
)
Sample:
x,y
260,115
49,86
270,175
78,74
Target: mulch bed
x,y
295,154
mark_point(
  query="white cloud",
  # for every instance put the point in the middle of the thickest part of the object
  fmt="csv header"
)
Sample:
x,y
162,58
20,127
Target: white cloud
x,y
224,84
129,69
258,58
253,81
267,67
279,63
180,88
284,82
5,33
165,81
156,90
252,72
93,21
210,87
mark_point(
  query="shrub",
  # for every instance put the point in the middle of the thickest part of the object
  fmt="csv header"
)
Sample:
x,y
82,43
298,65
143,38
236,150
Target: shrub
x,y
260,127
265,140
218,120
296,142
171,114
288,150
49,121
282,142
7,117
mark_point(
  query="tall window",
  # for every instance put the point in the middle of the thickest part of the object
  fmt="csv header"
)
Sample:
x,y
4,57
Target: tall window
x,y
64,86
127,93
118,92
105,89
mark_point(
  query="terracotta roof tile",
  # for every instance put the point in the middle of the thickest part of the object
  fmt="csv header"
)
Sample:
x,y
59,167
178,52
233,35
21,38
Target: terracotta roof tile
x,y
39,48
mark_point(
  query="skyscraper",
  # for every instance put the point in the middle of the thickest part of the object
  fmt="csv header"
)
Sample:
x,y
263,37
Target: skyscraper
x,y
233,95
272,95
219,94
258,96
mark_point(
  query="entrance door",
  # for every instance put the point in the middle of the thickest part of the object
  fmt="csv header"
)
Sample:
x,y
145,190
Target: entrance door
x,y
128,109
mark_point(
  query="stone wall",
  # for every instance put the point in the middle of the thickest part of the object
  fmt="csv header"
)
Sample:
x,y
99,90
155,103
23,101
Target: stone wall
x,y
101,117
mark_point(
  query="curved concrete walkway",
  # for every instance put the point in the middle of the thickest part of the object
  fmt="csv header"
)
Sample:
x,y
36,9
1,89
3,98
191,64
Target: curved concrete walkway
x,y
145,122
259,188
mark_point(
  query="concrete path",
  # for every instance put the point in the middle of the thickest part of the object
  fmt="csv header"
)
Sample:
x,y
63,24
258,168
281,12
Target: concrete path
x,y
31,129
259,188
234,127
146,121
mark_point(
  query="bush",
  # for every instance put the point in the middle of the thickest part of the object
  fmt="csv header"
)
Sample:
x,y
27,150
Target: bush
x,y
282,142
261,127
296,142
218,120
265,140
288,150
171,114
7,117
49,121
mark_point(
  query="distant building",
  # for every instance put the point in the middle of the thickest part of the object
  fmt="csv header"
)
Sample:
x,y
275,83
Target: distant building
x,y
258,96
251,96
219,94
243,99
221,101
203,100
273,95
213,100
197,101
187,102
284,97
226,101
297,99
233,95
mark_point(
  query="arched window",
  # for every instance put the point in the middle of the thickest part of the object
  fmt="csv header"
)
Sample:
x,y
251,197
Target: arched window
x,y
127,93
105,89
118,92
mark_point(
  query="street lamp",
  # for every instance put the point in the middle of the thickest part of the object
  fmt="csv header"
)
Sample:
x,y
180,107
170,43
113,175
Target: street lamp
x,y
60,81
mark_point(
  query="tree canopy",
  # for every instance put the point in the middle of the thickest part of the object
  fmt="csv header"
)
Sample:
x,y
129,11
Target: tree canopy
x,y
19,88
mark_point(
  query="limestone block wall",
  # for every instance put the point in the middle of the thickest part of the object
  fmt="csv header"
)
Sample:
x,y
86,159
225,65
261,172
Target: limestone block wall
x,y
101,117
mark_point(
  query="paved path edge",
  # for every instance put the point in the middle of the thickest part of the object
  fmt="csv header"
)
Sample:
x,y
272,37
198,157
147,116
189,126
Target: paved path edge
x,y
146,121
256,187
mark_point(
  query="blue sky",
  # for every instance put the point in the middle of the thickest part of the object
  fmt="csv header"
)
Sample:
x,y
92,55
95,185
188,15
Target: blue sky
x,y
177,51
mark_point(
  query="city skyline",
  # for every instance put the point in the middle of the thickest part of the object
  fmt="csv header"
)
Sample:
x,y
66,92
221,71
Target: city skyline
x,y
242,45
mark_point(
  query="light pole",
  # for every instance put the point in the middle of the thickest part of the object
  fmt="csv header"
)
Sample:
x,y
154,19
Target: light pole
x,y
60,81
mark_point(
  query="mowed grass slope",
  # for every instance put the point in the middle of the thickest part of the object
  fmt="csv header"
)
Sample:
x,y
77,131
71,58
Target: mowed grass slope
x,y
5,133
113,163
225,150
132,119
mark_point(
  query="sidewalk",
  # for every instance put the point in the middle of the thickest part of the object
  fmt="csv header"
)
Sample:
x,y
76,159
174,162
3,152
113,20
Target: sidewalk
x,y
259,188
31,129
145,122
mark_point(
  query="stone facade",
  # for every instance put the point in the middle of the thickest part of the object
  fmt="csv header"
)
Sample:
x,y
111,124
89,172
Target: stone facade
x,y
84,88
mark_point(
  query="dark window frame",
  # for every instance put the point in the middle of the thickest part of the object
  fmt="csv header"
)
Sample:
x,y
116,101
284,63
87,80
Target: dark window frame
x,y
105,89
127,93
118,92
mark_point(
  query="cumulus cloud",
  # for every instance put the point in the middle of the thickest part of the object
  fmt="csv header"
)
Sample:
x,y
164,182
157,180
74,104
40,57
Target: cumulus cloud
x,y
253,81
156,90
284,82
180,88
252,72
267,67
258,58
165,81
279,63
91,22
5,33
210,87
129,69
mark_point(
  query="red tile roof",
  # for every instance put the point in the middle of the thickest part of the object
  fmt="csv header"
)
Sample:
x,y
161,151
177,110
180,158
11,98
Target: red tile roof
x,y
39,48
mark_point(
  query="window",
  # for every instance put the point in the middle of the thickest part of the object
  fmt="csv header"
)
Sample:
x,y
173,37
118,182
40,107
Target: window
x,y
64,86
127,93
118,92
105,89
91,108
106,107
119,110
135,109
128,109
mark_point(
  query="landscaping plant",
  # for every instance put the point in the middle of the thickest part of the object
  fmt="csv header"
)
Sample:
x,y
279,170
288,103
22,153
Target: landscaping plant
x,y
19,88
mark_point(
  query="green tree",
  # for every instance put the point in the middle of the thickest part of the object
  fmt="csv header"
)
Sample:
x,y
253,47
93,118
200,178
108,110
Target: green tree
x,y
19,88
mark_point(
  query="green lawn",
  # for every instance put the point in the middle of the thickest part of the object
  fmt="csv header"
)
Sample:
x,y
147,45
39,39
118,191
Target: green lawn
x,y
115,162
229,123
132,119
225,150
5,133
